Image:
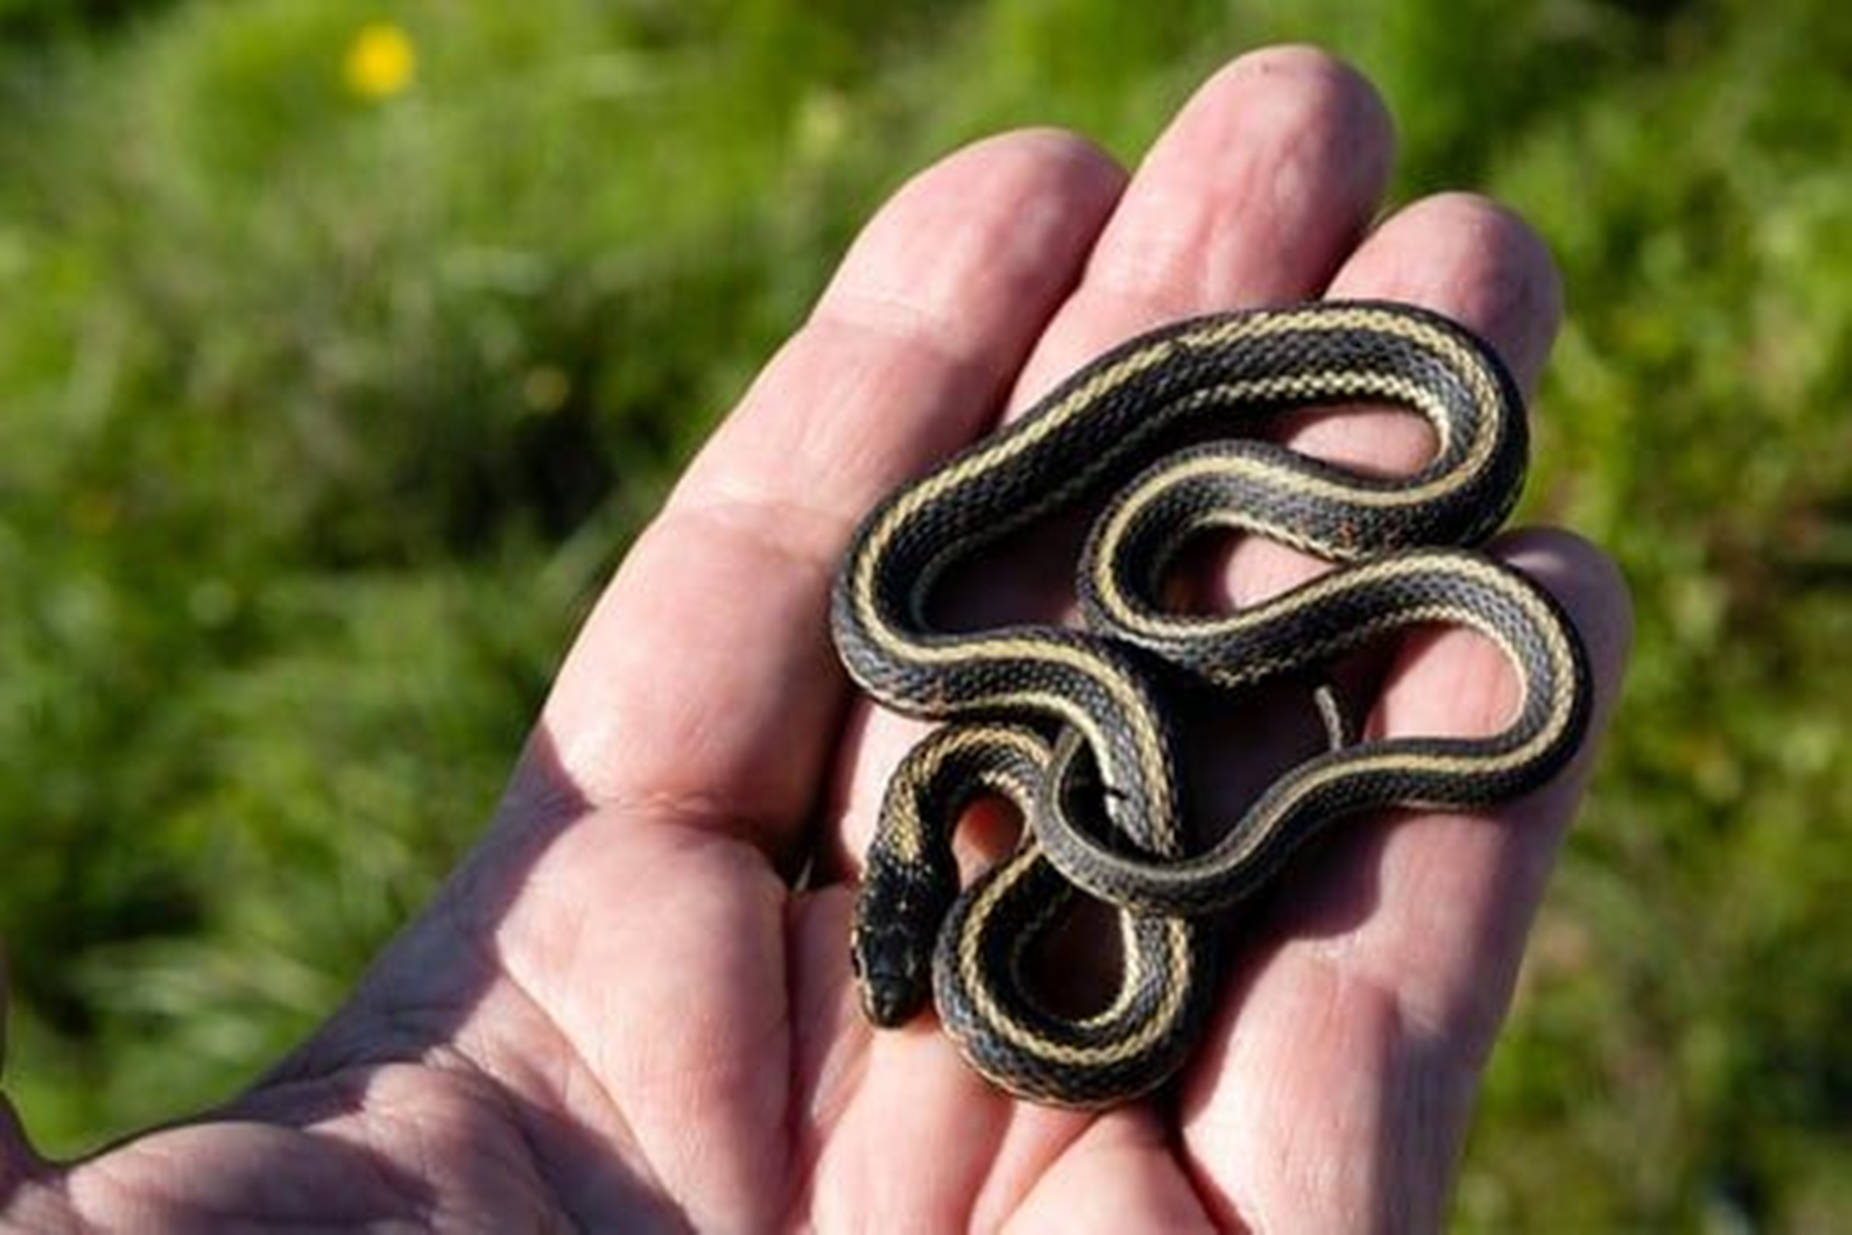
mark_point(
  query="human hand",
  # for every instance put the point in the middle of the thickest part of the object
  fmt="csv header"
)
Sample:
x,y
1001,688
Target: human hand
x,y
619,1015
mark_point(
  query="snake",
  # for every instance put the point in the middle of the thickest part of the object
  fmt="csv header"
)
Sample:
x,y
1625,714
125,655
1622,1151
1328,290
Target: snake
x,y
1161,440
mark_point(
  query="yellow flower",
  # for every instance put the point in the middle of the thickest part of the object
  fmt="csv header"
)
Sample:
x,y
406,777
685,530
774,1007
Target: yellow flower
x,y
380,61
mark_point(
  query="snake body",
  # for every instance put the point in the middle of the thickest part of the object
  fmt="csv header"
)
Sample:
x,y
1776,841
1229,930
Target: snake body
x,y
1075,726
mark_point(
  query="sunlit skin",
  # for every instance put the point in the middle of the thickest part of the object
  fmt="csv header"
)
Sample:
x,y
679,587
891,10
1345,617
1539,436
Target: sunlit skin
x,y
618,1015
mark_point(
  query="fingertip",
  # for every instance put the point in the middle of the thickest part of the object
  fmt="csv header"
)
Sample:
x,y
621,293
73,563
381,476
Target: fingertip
x,y
1472,259
1323,77
1254,194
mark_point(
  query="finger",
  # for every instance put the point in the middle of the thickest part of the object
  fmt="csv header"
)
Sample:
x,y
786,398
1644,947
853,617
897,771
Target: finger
x,y
1456,896
1253,194
1335,1090
1334,1083
703,684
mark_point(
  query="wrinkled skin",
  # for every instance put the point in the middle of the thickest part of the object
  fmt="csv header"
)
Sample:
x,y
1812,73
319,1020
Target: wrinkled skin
x,y
618,1015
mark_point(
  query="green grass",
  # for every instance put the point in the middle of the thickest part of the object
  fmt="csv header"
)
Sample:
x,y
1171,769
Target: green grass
x,y
325,417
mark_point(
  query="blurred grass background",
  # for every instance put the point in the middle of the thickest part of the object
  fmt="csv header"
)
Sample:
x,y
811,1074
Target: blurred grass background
x,y
338,361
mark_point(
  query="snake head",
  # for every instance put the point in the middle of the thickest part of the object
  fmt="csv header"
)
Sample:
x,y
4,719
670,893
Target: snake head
x,y
897,916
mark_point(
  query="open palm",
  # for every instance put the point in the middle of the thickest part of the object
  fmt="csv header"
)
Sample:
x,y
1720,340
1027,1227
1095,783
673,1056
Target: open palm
x,y
618,1015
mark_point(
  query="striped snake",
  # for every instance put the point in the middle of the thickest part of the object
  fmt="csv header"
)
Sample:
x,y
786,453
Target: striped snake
x,y
1075,726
